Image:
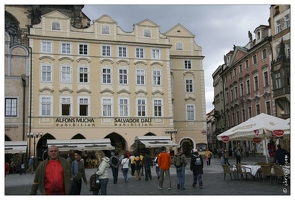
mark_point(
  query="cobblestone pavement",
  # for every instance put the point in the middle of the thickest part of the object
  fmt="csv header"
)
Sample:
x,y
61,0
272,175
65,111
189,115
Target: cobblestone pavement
x,y
213,183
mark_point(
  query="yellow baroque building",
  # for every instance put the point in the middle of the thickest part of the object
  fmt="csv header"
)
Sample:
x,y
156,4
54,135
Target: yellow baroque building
x,y
102,82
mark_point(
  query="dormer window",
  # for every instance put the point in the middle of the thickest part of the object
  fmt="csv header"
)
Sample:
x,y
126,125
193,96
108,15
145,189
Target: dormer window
x,y
147,32
179,46
105,29
55,25
258,35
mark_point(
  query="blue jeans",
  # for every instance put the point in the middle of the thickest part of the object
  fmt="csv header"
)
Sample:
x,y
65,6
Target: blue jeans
x,y
125,174
115,172
158,171
148,173
103,186
198,177
180,171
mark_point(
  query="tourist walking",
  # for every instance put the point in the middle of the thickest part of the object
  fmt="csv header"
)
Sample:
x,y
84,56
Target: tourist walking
x,y
78,173
196,167
138,164
31,165
132,165
157,167
115,163
208,155
281,156
180,163
22,168
53,175
164,161
125,167
147,163
221,154
238,154
102,172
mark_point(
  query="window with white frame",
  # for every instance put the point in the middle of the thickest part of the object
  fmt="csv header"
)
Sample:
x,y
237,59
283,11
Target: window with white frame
x,y
246,64
83,106
156,54
55,25
83,49
106,76
66,74
241,68
265,74
46,103
147,32
46,73
263,53
105,29
278,80
157,105
140,77
254,59
189,85
257,109
287,21
279,28
190,112
66,106
157,78
123,76
11,107
139,52
65,48
248,86
123,107
250,111
46,47
141,107
242,89
267,107
187,64
179,46
83,74
106,50
122,52
106,107
256,83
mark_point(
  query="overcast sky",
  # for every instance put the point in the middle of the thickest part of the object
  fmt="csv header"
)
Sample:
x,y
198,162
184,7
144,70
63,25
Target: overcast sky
x,y
216,27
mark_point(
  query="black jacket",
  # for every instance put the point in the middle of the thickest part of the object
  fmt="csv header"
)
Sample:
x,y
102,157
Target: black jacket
x,y
197,169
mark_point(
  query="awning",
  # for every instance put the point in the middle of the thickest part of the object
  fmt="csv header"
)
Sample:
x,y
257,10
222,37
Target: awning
x,y
82,144
16,147
154,141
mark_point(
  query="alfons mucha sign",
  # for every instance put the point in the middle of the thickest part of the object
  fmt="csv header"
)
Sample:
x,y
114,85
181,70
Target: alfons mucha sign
x,y
74,121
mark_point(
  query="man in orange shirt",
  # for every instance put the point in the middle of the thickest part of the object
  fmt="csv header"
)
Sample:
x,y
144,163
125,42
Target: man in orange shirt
x,y
164,162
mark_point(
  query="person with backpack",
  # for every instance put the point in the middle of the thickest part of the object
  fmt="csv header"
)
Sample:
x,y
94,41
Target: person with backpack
x,y
196,167
115,163
138,163
180,163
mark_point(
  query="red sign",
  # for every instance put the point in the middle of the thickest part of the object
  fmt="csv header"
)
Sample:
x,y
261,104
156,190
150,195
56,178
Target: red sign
x,y
257,140
278,133
225,139
256,132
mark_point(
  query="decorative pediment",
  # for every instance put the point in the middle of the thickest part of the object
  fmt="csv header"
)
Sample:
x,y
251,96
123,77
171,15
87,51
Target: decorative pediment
x,y
241,79
66,89
188,72
254,71
66,58
140,62
46,89
46,57
106,91
125,61
156,63
124,91
106,60
141,91
190,98
157,92
247,75
84,90
264,66
256,98
85,59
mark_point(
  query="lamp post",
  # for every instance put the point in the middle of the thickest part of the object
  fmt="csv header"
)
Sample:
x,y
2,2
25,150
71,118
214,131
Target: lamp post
x,y
171,131
34,135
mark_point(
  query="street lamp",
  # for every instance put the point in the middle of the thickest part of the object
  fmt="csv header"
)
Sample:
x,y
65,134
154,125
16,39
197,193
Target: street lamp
x,y
34,135
171,131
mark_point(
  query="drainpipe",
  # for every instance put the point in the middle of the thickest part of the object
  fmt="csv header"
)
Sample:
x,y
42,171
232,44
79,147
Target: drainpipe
x,y
30,107
23,77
